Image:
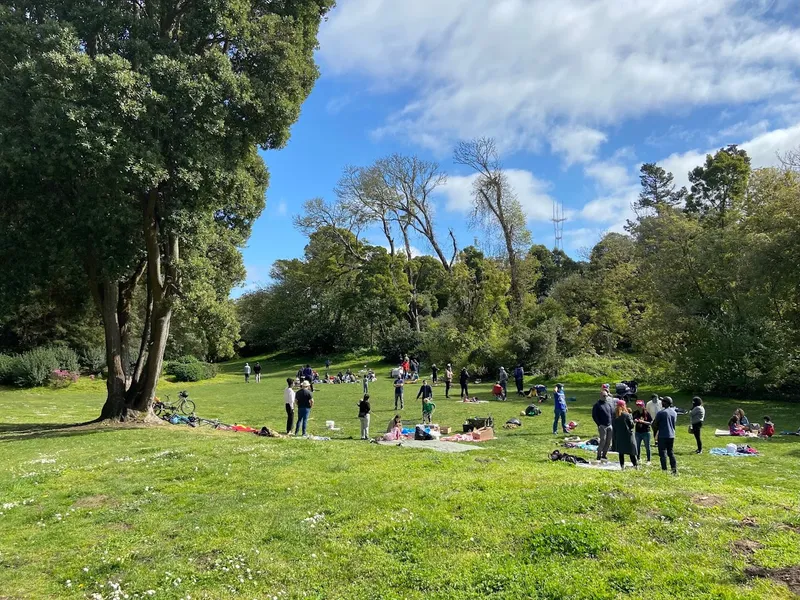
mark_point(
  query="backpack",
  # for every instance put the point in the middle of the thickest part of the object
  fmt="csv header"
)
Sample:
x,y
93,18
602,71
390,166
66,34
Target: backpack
x,y
422,435
532,410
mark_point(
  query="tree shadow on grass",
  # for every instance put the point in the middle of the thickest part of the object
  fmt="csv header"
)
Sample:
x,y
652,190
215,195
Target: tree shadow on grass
x,y
10,432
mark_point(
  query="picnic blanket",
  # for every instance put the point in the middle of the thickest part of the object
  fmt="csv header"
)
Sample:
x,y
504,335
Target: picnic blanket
x,y
602,466
725,452
584,446
727,433
473,401
435,445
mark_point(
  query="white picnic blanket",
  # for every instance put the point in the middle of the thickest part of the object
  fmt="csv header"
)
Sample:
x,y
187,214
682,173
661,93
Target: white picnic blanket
x,y
727,433
435,445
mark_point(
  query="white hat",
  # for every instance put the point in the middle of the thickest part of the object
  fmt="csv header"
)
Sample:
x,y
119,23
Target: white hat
x,y
305,383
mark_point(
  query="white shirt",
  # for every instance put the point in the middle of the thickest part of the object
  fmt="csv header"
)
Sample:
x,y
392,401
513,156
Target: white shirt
x,y
653,407
288,397
247,369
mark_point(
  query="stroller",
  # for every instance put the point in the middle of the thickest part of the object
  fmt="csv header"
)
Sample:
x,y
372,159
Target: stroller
x,y
626,390
540,391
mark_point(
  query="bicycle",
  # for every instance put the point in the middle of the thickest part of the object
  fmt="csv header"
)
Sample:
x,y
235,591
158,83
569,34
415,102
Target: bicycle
x,y
185,405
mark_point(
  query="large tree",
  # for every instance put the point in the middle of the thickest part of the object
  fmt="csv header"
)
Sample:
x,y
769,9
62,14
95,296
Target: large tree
x,y
496,206
128,144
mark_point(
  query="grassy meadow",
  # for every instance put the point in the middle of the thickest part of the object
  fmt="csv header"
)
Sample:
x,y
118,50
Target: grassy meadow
x,y
174,512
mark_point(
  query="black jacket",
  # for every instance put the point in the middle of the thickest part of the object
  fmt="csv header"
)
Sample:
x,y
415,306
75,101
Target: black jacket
x,y
425,391
602,413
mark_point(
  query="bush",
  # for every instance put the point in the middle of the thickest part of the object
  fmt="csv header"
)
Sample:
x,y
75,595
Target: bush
x,y
34,368
64,358
194,371
7,366
172,366
63,378
93,360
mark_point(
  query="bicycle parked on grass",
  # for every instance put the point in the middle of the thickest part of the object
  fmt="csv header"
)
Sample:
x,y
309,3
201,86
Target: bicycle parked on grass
x,y
185,405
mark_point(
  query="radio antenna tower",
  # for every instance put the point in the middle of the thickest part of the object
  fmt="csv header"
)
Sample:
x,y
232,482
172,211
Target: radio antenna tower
x,y
558,224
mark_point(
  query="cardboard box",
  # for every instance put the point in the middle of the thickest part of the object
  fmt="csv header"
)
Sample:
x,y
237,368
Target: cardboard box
x,y
481,435
445,430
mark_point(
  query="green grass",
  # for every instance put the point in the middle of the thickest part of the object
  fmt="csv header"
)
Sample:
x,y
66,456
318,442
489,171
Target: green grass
x,y
200,513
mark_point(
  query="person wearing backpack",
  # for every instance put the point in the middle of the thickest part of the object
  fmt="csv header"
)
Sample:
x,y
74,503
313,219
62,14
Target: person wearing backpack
x,y
363,414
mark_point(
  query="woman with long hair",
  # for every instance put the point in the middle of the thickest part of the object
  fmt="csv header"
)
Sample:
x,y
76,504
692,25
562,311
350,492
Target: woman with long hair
x,y
623,434
697,416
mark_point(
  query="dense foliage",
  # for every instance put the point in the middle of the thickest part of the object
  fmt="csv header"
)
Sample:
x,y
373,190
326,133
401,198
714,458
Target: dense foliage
x,y
702,290
128,141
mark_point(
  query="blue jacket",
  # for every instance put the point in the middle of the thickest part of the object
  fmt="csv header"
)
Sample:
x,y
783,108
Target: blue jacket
x,y
519,373
560,400
665,423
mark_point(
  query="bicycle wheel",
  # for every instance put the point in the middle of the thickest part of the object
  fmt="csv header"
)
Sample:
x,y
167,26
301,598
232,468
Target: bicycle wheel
x,y
187,407
158,408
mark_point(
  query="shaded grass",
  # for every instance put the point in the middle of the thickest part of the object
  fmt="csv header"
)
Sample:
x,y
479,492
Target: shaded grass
x,y
214,514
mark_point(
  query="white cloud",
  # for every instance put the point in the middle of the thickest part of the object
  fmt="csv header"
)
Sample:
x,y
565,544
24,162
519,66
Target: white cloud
x,y
578,144
531,192
282,209
514,69
764,150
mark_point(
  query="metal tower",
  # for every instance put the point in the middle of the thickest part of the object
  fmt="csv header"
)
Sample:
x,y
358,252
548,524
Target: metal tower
x,y
558,224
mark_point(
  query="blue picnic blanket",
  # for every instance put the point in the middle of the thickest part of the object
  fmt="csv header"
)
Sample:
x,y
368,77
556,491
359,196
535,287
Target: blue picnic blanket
x,y
724,452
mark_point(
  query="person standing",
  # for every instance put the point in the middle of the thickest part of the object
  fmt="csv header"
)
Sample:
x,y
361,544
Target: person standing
x,y
398,392
623,434
365,380
247,372
327,367
503,378
448,380
603,415
464,381
643,422
560,408
363,414
308,375
425,391
698,417
519,377
257,372
288,400
304,400
664,424
653,408
434,374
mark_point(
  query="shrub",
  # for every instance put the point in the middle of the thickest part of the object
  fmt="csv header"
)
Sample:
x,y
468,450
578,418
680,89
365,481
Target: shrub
x,y
194,371
93,360
64,358
34,368
62,378
7,365
171,366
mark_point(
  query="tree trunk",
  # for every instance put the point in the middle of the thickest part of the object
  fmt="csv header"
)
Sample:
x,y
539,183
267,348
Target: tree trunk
x,y
108,298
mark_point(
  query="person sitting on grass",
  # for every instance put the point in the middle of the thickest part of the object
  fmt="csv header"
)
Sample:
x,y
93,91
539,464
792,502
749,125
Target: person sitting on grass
x,y
769,428
735,428
497,391
427,410
745,422
395,429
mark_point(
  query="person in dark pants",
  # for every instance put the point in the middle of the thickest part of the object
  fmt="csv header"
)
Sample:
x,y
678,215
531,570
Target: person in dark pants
x,y
434,374
304,401
464,381
623,434
519,377
308,375
448,380
559,409
697,416
665,425
288,399
643,421
257,372
398,393
425,391
603,417
503,379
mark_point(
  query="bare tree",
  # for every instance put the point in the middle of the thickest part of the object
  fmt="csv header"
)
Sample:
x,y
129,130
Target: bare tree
x,y
337,216
361,192
409,183
496,205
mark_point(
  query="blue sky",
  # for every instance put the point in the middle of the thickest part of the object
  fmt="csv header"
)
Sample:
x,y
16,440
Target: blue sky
x,y
576,93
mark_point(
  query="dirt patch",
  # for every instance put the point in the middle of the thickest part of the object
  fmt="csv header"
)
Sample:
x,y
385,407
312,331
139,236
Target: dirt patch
x,y
91,501
749,522
746,547
708,501
789,576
